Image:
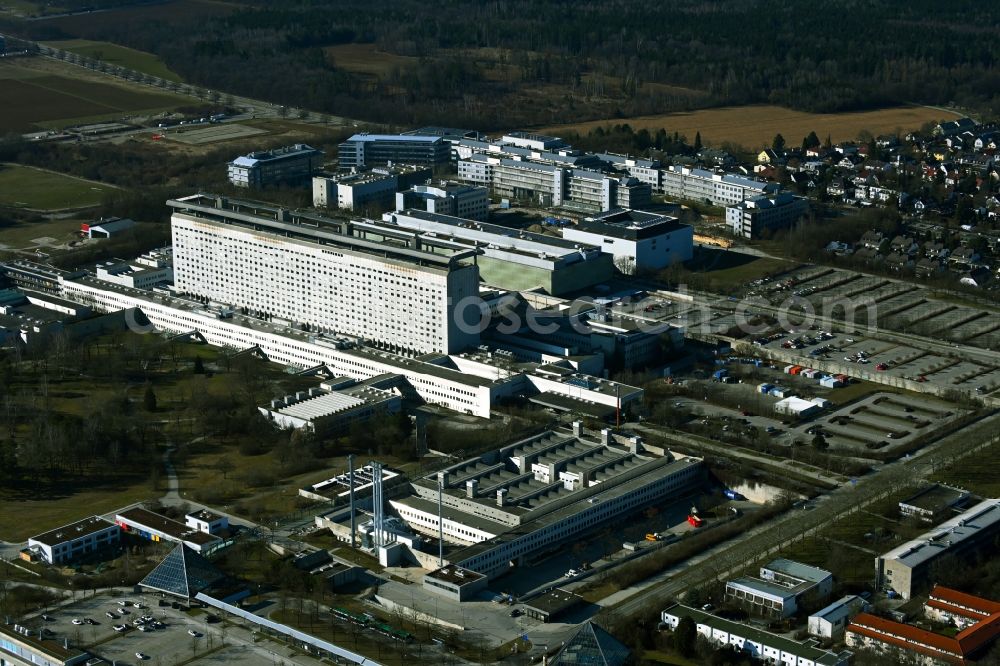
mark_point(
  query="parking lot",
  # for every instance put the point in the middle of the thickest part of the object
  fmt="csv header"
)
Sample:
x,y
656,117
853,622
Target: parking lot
x,y
170,642
879,421
896,305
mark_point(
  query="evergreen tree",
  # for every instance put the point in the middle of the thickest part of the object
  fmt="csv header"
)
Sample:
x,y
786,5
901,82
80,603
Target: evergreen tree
x,y
199,366
778,144
149,400
697,142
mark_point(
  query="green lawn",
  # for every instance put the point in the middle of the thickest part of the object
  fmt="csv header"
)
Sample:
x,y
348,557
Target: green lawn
x,y
979,473
26,187
725,270
122,56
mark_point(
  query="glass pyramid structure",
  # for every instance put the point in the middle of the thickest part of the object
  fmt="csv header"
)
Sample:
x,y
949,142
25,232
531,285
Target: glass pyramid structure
x,y
183,572
592,646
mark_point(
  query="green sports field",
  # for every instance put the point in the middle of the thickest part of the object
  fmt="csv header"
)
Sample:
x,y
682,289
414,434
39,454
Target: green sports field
x,y
121,56
25,187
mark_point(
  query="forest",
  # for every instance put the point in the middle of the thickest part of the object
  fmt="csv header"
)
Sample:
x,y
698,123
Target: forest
x,y
452,62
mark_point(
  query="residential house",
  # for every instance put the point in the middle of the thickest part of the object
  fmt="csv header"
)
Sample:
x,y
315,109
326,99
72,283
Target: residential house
x,y
897,261
976,277
768,156
840,187
953,127
987,140
935,250
927,267
873,240
963,257
850,161
904,245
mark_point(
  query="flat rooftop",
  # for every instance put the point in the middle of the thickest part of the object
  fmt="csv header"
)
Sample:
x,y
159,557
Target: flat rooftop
x,y
803,650
455,575
258,217
934,498
798,570
172,528
765,587
983,518
630,224
49,646
554,602
206,515
77,530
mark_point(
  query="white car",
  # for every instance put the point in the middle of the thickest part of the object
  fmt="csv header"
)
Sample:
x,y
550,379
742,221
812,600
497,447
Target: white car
x,y
141,656
111,616
123,602
138,605
77,621
119,627
192,632
572,573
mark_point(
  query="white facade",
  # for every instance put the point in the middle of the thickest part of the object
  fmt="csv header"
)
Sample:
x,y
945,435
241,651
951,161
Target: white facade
x,y
750,218
327,287
832,621
207,522
715,188
65,544
464,201
762,645
649,244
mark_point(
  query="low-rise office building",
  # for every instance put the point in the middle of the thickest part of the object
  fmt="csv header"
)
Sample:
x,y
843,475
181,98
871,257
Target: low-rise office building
x,y
207,521
508,505
759,644
21,646
638,241
456,583
145,272
905,569
781,588
470,202
831,622
379,149
70,542
266,168
155,527
933,503
360,190
751,218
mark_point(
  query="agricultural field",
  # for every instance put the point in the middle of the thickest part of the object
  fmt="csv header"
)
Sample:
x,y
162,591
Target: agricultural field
x,y
37,189
120,56
755,126
45,94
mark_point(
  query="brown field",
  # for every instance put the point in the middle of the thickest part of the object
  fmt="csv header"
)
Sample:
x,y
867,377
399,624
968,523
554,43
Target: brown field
x,y
89,26
40,92
365,59
755,126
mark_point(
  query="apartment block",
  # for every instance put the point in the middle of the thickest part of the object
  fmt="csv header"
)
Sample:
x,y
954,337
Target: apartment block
x,y
381,149
752,217
291,164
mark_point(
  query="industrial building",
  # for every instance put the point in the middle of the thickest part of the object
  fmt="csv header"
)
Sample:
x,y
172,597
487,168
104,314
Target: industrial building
x,y
379,149
752,217
70,542
638,241
905,569
831,622
470,202
456,583
514,260
718,189
266,168
21,646
759,644
781,588
361,189
333,407
106,228
395,288
506,506
155,527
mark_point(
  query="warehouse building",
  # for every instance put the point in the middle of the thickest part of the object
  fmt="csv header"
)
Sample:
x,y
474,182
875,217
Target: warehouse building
x,y
70,542
384,285
510,504
638,241
514,260
380,149
107,227
758,644
267,168
905,569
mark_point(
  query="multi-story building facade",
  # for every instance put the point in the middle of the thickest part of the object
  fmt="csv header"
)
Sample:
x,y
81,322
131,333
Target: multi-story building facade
x,y
361,190
645,171
327,275
23,646
447,198
291,164
638,241
752,217
715,188
379,149
905,569
70,542
781,588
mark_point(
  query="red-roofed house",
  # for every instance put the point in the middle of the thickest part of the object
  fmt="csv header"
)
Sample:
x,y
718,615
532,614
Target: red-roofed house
x,y
980,619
